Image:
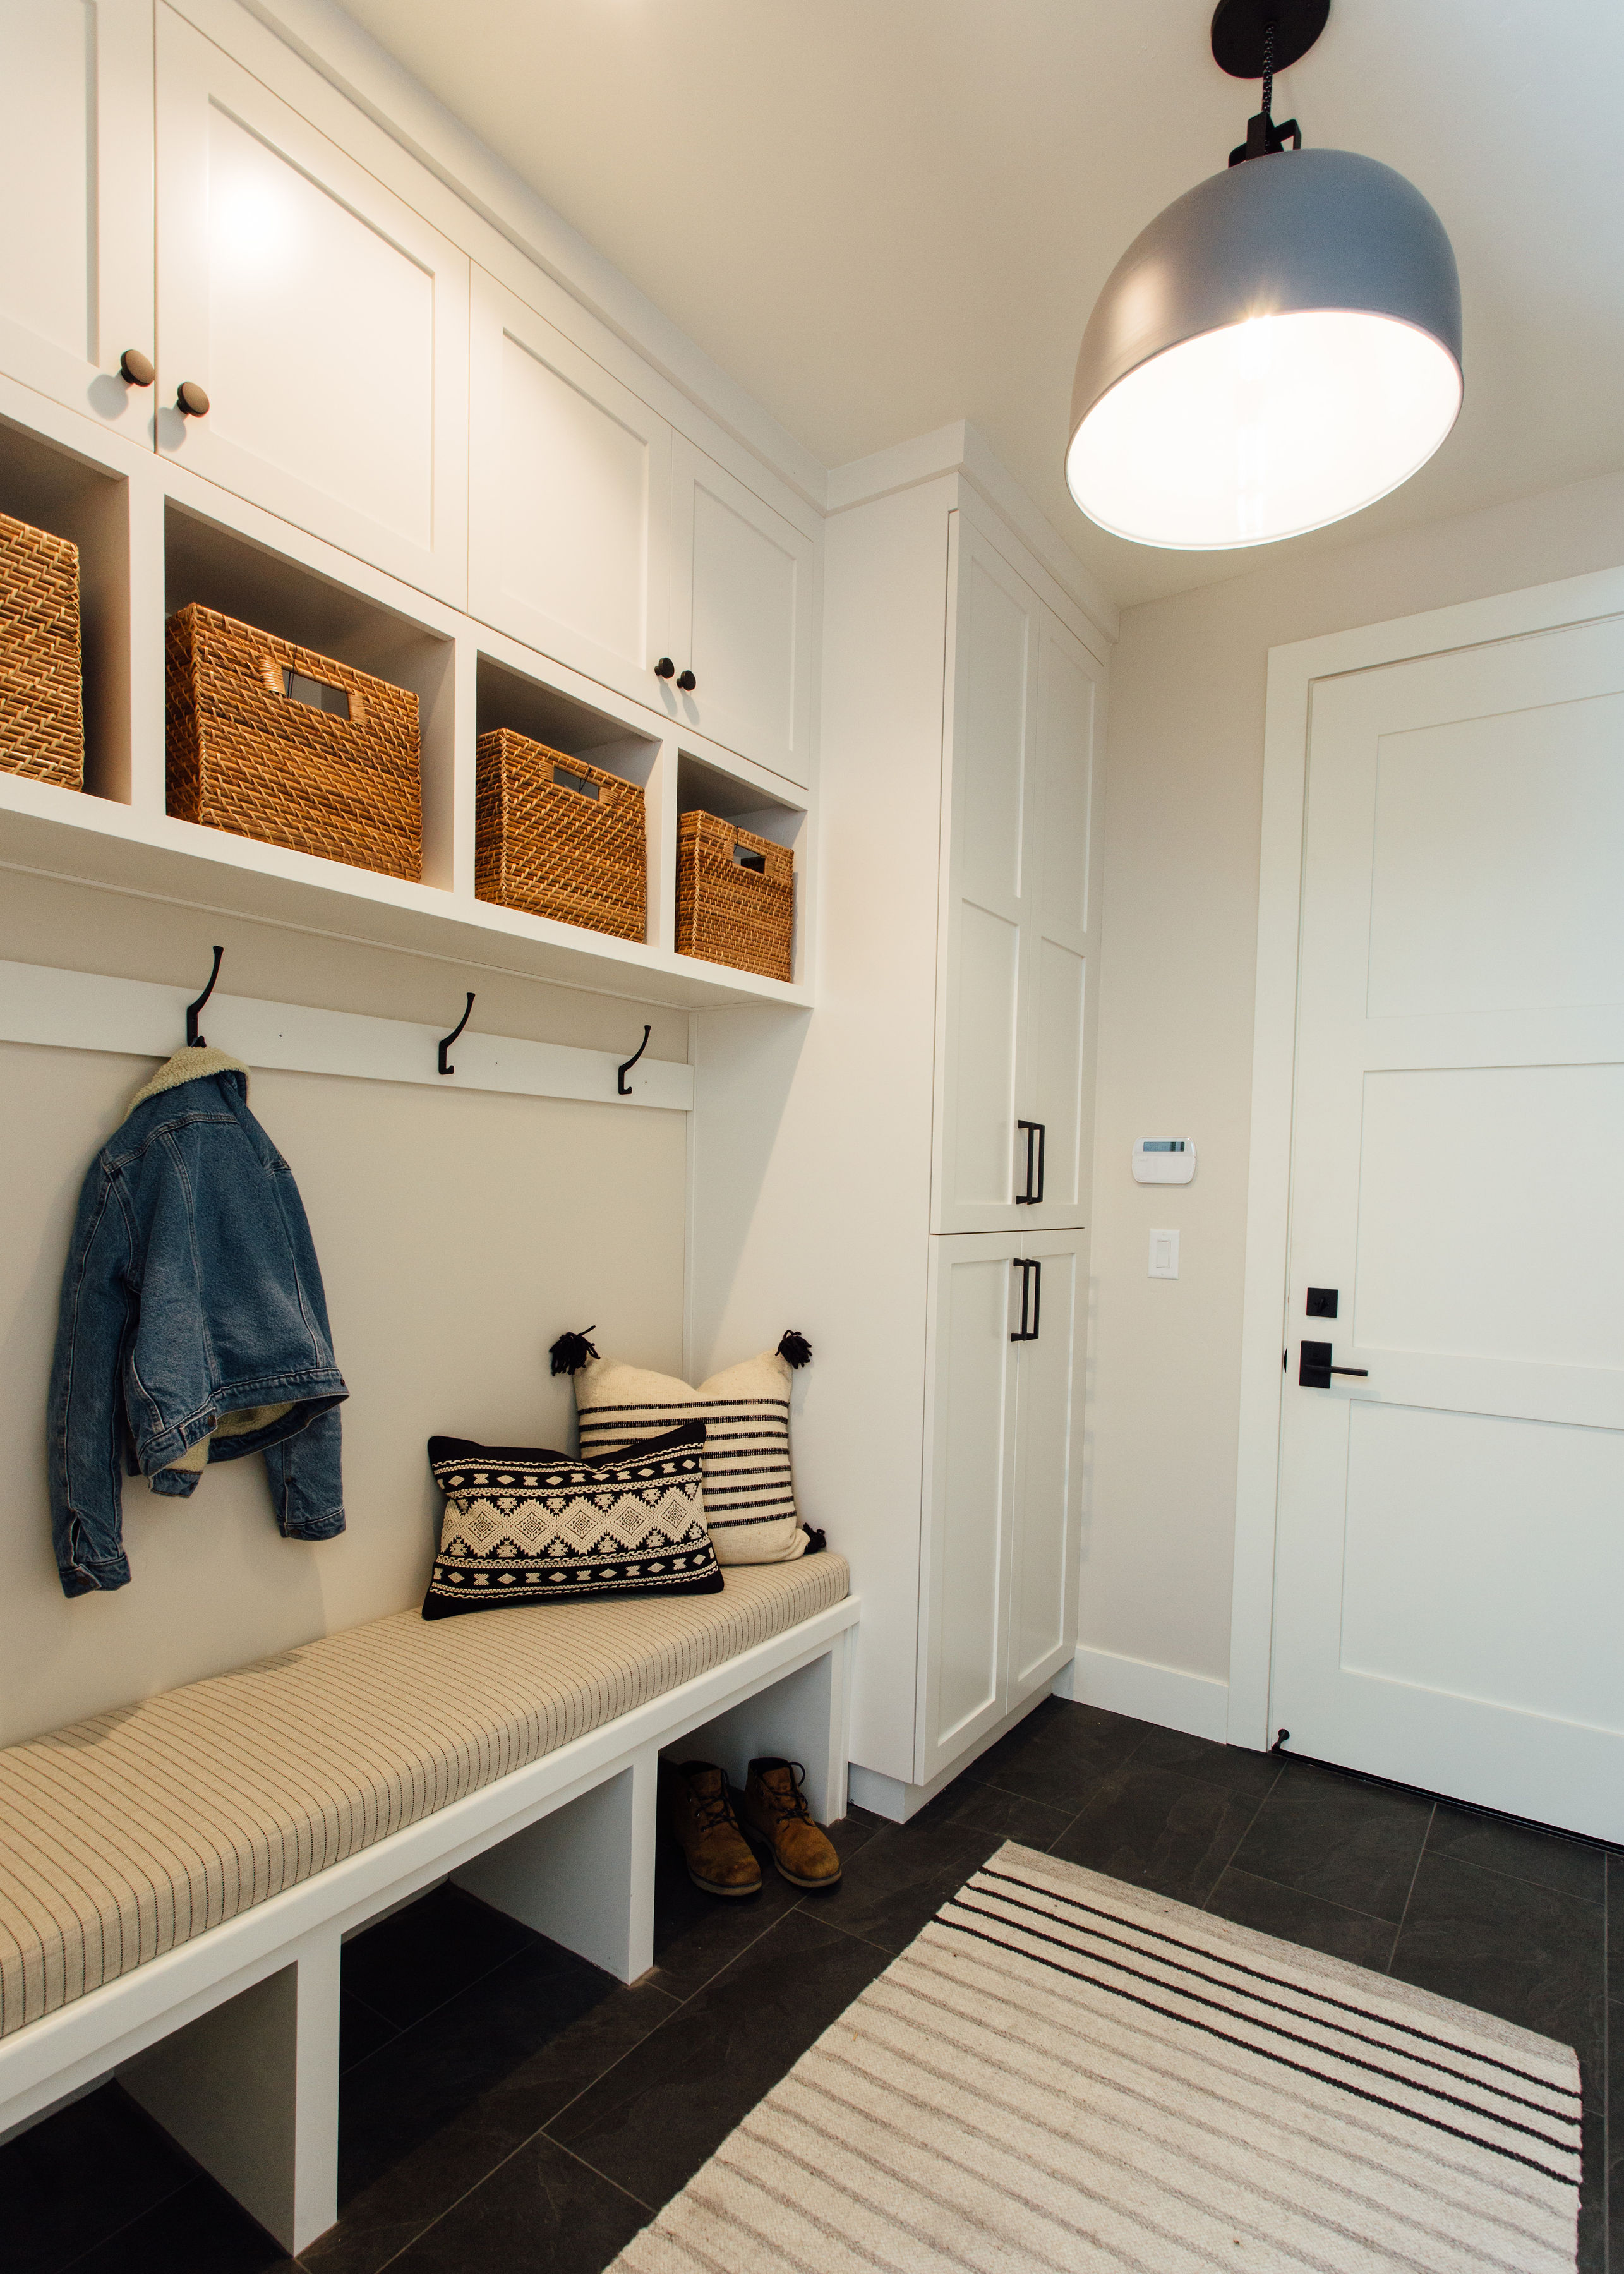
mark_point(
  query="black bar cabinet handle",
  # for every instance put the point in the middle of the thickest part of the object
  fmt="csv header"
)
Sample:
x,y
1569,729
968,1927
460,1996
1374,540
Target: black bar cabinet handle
x,y
1037,1136
1031,1290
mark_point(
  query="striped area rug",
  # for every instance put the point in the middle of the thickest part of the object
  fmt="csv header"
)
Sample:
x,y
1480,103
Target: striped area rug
x,y
1065,2073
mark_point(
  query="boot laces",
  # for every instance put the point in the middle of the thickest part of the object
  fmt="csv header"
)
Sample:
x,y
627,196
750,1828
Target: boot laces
x,y
710,1808
791,1802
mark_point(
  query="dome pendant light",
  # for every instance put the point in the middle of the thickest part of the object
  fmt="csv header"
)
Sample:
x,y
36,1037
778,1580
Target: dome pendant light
x,y
1278,349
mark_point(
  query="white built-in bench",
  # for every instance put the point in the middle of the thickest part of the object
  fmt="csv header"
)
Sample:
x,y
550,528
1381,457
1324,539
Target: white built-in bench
x,y
176,1879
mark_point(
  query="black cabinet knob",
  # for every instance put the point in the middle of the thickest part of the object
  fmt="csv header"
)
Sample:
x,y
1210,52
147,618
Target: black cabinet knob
x,y
664,668
135,368
191,398
687,682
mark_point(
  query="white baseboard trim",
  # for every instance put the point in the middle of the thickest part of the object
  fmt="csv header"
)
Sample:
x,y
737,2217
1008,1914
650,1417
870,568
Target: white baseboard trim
x,y
1193,1704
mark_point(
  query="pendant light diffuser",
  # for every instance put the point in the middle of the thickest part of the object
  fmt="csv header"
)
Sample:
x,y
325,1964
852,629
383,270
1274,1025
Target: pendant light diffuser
x,y
1278,349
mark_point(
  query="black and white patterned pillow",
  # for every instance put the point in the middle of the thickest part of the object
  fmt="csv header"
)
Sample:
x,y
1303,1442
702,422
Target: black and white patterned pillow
x,y
525,1525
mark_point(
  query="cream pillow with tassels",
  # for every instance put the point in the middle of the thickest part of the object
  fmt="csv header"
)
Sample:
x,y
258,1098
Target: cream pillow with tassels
x,y
749,1490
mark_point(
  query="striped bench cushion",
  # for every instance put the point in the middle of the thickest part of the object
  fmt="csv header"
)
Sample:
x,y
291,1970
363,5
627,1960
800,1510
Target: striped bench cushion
x,y
129,1833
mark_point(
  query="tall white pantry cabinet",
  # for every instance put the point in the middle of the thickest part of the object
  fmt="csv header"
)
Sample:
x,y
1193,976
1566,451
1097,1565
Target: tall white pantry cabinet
x,y
912,1158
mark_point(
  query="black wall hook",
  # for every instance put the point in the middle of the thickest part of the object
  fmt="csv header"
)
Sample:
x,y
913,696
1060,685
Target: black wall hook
x,y
193,1039
623,1088
445,1065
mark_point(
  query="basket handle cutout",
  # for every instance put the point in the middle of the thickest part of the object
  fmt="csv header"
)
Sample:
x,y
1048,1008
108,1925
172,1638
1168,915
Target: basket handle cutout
x,y
577,782
746,859
315,693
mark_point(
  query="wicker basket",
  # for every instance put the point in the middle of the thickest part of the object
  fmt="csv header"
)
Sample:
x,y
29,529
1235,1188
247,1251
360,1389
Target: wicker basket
x,y
275,742
558,838
41,715
735,897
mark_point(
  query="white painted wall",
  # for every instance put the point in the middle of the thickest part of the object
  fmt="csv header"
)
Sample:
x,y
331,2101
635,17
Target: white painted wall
x,y
458,1234
1183,778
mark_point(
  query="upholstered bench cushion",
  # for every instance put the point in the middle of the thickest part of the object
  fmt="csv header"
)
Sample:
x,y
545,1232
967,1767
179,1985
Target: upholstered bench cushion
x,y
126,1834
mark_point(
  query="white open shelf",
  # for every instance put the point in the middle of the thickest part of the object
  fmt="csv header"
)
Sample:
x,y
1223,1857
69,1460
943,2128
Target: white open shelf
x,y
153,536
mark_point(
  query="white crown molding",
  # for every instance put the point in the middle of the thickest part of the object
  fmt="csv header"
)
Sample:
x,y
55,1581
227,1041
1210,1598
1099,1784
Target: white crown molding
x,y
349,59
963,449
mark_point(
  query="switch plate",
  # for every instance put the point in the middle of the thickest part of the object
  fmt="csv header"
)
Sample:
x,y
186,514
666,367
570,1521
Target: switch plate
x,y
1164,1255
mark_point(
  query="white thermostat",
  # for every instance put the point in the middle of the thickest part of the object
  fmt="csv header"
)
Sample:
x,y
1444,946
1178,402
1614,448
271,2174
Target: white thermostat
x,y
1163,1160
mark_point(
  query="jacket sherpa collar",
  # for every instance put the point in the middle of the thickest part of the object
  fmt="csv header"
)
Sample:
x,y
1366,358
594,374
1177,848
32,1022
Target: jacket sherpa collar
x,y
191,1063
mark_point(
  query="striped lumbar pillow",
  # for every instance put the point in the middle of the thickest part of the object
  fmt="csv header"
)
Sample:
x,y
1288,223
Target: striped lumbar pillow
x,y
525,1525
749,1491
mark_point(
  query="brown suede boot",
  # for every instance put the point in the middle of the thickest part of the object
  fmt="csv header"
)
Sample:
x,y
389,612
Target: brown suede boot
x,y
774,1809
701,1814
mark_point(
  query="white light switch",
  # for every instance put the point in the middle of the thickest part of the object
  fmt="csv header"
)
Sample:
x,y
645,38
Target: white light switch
x,y
1164,1255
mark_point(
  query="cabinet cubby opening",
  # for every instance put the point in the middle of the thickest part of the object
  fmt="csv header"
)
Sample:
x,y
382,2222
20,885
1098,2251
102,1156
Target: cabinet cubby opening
x,y
703,787
505,697
218,568
54,490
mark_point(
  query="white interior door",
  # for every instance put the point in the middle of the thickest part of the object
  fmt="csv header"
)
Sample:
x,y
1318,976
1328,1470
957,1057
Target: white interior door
x,y
1450,1549
742,617
570,498
1050,1082
1047,1501
326,321
76,185
995,625
970,1446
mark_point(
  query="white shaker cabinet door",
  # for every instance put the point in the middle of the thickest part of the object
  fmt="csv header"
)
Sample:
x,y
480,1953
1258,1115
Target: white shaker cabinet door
x,y
75,185
325,322
994,620
1047,1503
1051,1085
970,1447
569,522
742,618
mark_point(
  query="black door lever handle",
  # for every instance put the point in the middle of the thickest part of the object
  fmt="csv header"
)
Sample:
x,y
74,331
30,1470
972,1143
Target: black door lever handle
x,y
1314,1370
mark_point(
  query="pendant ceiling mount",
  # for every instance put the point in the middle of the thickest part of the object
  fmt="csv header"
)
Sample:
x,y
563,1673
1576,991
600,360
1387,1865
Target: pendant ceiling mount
x,y
1240,31
1278,349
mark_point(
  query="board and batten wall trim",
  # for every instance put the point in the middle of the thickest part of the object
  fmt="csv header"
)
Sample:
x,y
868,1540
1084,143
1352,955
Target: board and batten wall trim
x,y
1293,671
87,1011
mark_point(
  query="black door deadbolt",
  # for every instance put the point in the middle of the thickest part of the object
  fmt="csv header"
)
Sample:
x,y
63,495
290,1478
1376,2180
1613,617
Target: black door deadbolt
x,y
1321,1303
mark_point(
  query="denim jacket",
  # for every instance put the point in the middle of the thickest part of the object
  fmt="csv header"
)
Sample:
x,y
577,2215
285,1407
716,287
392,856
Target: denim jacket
x,y
193,1326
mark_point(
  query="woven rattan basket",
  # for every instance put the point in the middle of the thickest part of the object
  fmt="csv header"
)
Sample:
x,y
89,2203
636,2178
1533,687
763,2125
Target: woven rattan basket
x,y
42,716
558,838
735,897
275,742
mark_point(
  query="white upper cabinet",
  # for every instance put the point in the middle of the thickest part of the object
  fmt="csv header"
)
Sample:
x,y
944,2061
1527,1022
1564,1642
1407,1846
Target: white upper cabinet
x,y
1011,1145
569,545
325,322
76,184
741,617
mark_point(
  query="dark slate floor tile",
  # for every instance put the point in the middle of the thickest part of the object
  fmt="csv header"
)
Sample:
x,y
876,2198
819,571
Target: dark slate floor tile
x,y
1615,2129
1306,1919
901,1878
1234,1766
416,1959
543,2212
1528,1954
199,2230
1154,1829
1061,1753
449,2101
696,1935
651,2123
79,2176
1352,1843
983,1808
1615,1940
360,2031
1573,1867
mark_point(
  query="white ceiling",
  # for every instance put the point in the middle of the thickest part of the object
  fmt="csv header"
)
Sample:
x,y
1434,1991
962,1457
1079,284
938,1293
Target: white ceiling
x,y
881,215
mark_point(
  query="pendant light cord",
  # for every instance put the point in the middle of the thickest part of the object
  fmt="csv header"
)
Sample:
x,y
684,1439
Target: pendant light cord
x,y
1268,70
1264,138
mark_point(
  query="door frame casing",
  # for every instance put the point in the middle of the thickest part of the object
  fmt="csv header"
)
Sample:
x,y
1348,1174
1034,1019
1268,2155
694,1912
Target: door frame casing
x,y
1293,671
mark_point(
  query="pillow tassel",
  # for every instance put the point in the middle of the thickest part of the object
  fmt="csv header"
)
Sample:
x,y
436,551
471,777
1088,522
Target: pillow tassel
x,y
794,1349
571,1352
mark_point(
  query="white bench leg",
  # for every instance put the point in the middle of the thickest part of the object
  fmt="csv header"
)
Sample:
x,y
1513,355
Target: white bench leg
x,y
251,2089
802,1717
583,1876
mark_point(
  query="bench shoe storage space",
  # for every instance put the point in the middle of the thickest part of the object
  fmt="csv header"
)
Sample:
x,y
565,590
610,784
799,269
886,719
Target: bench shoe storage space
x,y
735,897
42,720
271,741
558,837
